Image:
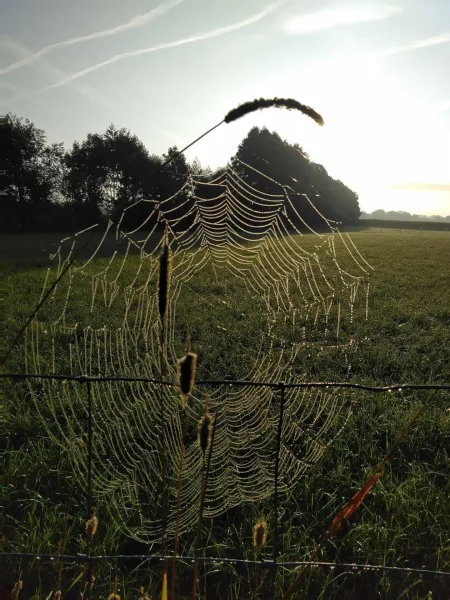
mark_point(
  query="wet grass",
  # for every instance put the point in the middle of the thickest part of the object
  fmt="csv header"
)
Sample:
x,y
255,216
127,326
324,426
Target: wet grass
x,y
404,522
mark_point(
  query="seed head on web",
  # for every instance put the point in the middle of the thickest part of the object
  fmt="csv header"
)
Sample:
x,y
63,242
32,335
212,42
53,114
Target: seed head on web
x,y
259,534
257,104
186,368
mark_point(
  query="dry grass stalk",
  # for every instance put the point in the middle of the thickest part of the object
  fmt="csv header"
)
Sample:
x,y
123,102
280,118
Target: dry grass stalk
x,y
206,465
89,585
114,595
186,368
165,267
204,432
142,594
16,589
244,109
91,526
289,103
179,486
259,534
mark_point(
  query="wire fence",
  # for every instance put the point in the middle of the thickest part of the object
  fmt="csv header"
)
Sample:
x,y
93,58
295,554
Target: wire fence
x,y
90,559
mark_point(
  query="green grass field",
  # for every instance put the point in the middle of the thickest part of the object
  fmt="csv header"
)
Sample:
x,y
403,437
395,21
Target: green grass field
x,y
404,522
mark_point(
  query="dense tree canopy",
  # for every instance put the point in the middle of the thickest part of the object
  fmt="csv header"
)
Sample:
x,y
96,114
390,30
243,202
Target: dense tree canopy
x,y
48,188
290,165
33,176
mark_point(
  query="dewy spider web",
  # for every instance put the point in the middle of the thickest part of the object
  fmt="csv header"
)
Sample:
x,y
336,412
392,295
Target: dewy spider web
x,y
253,292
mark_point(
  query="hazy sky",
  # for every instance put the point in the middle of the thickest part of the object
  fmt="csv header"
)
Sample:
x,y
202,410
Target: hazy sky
x,y
169,69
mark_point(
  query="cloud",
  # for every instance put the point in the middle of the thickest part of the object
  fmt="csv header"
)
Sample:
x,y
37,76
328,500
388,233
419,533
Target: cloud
x,y
187,40
135,22
326,19
420,187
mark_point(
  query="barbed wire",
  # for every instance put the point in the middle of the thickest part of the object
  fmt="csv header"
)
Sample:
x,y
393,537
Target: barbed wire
x,y
270,564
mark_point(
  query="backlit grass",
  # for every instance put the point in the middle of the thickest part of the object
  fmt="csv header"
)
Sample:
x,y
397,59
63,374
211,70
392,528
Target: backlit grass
x,y
404,522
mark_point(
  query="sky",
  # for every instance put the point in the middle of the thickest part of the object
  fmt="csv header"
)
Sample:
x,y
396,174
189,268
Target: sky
x,y
168,70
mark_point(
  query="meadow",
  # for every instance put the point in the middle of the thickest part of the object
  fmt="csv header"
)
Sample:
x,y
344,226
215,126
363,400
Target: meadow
x,y
404,522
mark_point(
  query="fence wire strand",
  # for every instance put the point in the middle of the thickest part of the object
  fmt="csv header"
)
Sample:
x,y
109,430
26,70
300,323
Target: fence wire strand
x,y
397,387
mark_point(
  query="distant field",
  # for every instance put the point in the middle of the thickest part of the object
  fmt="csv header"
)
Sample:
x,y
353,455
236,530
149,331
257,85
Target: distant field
x,y
21,251
24,251
404,522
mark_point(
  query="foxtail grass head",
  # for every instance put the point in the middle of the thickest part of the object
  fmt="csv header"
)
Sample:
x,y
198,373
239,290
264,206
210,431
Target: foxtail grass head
x,y
165,267
186,368
204,432
259,535
91,526
289,103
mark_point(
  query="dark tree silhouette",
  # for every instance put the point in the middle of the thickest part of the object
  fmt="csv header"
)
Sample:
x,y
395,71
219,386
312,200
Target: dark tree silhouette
x,y
290,165
33,177
106,173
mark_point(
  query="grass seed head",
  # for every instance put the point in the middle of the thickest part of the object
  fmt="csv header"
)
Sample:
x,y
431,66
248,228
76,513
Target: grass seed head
x,y
259,534
16,589
91,526
289,103
204,432
186,367
165,266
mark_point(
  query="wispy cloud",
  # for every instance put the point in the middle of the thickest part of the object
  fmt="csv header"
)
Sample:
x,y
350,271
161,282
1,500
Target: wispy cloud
x,y
187,40
364,57
327,19
420,187
135,22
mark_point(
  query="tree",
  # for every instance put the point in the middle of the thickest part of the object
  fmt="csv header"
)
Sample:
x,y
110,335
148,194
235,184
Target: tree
x,y
33,177
106,174
290,166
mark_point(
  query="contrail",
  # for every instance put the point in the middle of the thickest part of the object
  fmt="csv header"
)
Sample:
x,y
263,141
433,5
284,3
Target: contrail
x,y
188,40
46,69
436,40
135,22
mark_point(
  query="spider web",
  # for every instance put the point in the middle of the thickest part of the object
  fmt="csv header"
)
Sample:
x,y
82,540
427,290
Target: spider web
x,y
257,290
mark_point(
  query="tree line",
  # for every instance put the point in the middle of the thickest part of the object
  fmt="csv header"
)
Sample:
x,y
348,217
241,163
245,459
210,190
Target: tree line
x,y
401,215
45,187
